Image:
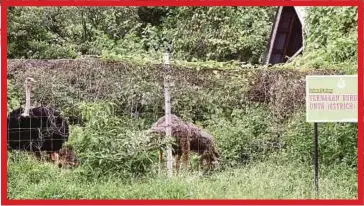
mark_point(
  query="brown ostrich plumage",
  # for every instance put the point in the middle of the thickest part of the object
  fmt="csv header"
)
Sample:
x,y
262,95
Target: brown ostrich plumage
x,y
188,138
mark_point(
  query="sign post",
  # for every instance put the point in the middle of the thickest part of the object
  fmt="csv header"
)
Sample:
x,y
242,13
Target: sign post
x,y
316,158
330,98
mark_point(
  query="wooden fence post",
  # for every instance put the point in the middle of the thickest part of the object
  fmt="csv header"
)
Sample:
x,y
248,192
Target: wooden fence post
x,y
167,102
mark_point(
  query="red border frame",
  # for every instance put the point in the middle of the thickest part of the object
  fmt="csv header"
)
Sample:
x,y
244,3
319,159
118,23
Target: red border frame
x,y
6,3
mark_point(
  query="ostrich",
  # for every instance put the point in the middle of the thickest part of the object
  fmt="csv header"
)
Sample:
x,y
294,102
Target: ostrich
x,y
188,138
36,129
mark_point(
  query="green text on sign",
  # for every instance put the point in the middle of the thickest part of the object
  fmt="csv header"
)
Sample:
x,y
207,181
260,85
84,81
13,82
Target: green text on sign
x,y
332,98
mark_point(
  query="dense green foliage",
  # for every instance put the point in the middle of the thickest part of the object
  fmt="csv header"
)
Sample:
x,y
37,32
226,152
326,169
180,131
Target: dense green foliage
x,y
13,97
333,31
337,141
215,33
109,144
331,38
220,33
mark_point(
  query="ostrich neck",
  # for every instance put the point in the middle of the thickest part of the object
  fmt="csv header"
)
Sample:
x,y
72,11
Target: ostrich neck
x,y
27,101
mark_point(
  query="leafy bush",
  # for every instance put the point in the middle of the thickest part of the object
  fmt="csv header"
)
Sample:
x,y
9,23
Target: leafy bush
x,y
49,33
215,33
34,33
332,39
13,98
245,136
219,33
337,141
334,31
110,144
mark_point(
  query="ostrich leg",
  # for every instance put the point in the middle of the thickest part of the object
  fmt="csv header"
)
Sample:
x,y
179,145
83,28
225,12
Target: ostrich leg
x,y
185,151
178,157
160,160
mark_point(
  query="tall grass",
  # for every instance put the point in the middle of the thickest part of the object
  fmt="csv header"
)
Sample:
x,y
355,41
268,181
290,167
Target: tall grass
x,y
270,179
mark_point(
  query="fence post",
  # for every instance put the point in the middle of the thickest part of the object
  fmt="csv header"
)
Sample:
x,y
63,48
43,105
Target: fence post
x,y
316,163
167,103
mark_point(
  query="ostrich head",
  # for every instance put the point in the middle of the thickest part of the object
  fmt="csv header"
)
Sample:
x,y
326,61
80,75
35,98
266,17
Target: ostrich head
x,y
28,86
65,158
29,80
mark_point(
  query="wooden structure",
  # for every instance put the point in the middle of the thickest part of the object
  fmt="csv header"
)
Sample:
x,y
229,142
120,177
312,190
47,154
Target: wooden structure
x,y
286,39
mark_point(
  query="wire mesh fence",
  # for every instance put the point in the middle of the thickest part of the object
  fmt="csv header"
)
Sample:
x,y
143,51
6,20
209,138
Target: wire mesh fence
x,y
115,100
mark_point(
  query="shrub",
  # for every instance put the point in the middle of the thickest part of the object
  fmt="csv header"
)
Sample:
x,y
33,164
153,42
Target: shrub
x,y
219,33
110,144
244,136
13,96
337,141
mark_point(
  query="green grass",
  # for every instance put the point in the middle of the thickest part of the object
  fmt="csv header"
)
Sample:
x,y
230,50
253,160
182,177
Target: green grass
x,y
271,179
